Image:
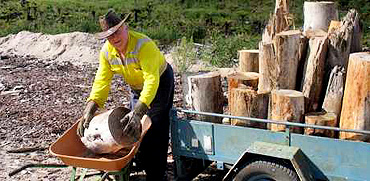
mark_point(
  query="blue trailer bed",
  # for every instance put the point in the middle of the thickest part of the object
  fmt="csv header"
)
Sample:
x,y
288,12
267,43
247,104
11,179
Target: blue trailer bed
x,y
312,157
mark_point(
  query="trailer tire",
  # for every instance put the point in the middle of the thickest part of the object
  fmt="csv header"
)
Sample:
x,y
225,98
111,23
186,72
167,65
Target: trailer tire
x,y
266,170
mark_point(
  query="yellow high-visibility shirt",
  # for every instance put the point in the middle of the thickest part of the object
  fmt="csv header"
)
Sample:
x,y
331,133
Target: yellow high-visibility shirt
x,y
141,68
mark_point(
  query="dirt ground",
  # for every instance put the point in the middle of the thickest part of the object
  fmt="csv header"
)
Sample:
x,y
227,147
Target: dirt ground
x,y
42,98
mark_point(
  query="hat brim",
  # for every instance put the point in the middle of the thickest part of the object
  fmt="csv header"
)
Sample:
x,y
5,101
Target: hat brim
x,y
110,31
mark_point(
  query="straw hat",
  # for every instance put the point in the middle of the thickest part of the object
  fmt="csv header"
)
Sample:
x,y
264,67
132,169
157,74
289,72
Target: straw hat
x,y
110,23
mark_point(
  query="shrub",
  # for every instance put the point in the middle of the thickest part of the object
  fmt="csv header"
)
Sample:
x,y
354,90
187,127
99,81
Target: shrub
x,y
223,50
184,55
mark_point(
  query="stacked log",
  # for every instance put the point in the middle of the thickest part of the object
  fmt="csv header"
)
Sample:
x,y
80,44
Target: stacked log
x,y
278,62
321,119
267,69
314,72
248,103
334,92
287,106
205,94
357,32
248,60
356,101
317,15
249,79
278,22
340,41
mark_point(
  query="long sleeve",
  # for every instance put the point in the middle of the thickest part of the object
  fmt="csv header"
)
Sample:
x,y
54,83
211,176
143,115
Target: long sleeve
x,y
102,82
151,61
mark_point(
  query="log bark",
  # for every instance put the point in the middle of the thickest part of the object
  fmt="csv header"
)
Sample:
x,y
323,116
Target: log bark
x,y
248,60
314,73
356,44
246,102
340,41
205,94
279,63
334,92
303,44
267,68
278,22
317,15
356,101
321,119
287,105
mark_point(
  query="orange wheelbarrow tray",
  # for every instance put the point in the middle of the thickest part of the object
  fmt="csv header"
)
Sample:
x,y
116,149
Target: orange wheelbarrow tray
x,y
72,151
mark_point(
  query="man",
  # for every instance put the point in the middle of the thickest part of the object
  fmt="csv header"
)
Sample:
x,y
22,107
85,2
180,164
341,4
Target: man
x,y
135,57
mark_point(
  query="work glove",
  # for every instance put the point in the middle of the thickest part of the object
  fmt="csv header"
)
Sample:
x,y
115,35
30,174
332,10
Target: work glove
x,y
87,116
133,121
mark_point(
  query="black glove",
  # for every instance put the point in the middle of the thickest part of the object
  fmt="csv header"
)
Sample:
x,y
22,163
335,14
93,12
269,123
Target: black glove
x,y
132,121
88,114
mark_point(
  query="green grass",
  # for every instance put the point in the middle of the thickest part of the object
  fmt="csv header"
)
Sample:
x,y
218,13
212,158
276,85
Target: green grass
x,y
237,24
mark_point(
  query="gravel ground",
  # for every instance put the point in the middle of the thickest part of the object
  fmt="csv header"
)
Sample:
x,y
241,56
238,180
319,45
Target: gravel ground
x,y
39,100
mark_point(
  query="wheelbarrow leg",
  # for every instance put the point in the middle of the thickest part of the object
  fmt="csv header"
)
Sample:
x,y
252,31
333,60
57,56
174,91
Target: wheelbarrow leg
x,y
124,174
73,175
82,176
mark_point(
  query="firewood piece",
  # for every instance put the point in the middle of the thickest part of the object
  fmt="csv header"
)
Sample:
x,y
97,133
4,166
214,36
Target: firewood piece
x,y
249,79
287,105
280,71
321,119
314,72
248,60
334,91
356,101
267,68
356,44
303,50
246,102
205,94
340,41
278,22
317,15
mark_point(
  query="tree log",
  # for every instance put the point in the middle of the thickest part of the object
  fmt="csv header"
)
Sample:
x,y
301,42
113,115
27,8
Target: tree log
x,y
278,64
314,73
278,22
334,92
356,101
249,79
340,41
248,60
317,15
356,44
267,68
246,102
321,119
303,44
287,105
205,94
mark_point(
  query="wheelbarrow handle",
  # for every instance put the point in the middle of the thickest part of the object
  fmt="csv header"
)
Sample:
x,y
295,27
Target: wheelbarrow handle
x,y
37,165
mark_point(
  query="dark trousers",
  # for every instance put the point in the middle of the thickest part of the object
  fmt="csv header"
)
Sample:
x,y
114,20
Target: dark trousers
x,y
153,149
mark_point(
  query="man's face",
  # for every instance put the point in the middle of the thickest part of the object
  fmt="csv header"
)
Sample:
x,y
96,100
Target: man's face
x,y
119,38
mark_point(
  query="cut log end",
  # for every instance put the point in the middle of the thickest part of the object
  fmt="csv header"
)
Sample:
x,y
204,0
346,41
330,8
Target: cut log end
x,y
287,93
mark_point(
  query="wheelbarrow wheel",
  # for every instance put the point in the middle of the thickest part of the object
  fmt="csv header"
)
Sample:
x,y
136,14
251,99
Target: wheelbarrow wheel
x,y
266,170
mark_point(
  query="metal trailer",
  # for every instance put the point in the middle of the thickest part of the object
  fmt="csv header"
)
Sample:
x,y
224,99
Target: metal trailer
x,y
259,154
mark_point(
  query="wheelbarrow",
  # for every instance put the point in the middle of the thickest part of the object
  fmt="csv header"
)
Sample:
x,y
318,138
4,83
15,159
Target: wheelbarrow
x,y
74,153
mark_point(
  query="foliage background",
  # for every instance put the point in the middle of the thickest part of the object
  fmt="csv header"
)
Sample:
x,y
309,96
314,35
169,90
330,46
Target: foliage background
x,y
227,25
